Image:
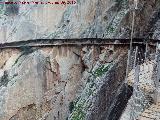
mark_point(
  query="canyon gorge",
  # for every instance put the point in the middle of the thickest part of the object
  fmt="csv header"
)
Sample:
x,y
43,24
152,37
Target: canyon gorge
x,y
44,76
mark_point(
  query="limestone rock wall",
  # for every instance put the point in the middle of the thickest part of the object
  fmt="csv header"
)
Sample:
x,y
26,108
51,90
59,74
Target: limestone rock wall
x,y
43,84
39,82
102,85
85,19
144,94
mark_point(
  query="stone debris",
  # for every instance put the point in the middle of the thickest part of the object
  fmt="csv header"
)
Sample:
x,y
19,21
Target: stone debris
x,y
140,105
146,75
151,113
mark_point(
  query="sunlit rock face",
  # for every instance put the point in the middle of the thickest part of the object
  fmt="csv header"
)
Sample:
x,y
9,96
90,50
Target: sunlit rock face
x,y
72,83
101,18
49,83
30,21
85,19
38,84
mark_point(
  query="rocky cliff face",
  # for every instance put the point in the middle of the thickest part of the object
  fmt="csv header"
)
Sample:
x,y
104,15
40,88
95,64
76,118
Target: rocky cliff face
x,y
59,83
69,83
86,19
35,83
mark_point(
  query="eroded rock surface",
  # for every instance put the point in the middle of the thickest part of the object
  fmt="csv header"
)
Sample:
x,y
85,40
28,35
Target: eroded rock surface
x,y
85,19
44,84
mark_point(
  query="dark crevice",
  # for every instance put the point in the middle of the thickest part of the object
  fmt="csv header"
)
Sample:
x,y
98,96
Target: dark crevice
x,y
4,79
11,8
121,103
150,27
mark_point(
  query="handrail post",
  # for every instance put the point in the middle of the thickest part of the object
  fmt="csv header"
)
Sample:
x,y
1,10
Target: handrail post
x,y
157,80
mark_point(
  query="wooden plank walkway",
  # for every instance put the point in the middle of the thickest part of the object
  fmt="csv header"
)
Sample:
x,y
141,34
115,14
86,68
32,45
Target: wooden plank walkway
x,y
76,42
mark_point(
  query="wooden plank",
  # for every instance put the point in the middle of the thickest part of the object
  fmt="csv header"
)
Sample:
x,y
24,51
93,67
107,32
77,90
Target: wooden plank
x,y
82,41
66,44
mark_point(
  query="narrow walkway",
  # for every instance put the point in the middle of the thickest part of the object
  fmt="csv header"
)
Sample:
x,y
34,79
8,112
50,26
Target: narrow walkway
x,y
146,77
75,42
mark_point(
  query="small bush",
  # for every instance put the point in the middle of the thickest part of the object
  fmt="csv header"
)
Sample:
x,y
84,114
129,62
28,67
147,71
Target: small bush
x,y
26,50
4,80
100,71
71,106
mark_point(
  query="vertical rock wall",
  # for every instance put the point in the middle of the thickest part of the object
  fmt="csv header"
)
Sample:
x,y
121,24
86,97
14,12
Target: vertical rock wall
x,y
43,84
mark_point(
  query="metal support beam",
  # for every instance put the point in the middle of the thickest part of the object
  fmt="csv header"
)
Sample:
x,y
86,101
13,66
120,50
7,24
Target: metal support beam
x,y
157,92
135,56
146,51
127,69
136,80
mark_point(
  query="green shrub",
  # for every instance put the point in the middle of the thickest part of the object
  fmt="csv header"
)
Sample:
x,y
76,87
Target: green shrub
x,y
71,106
100,71
4,80
26,50
78,113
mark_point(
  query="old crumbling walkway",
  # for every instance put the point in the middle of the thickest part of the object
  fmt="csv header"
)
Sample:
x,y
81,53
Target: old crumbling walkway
x,y
77,42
